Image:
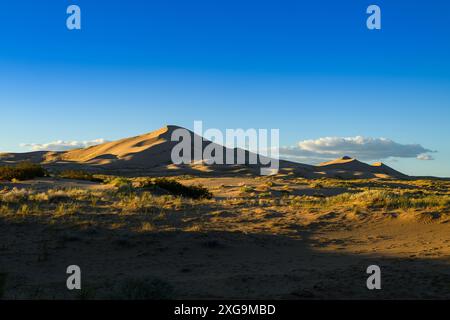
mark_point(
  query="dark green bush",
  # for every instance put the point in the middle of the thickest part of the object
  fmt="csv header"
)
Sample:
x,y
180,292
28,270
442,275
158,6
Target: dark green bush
x,y
79,175
22,171
178,189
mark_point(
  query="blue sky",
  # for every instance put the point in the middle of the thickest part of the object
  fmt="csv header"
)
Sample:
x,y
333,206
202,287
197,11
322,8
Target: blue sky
x,y
310,69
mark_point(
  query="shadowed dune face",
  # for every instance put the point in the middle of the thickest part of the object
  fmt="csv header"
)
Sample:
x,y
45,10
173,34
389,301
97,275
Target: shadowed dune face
x,y
151,153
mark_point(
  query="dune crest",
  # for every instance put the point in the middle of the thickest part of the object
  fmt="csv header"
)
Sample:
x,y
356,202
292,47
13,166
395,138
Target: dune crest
x,y
123,149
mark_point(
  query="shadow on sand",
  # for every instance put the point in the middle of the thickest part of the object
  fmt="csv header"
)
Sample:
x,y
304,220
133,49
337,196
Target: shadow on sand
x,y
198,265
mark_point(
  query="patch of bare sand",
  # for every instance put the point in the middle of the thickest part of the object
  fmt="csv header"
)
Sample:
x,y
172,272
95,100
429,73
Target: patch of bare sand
x,y
406,235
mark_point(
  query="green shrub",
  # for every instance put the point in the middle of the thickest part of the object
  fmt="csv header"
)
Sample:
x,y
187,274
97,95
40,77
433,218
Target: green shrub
x,y
22,171
247,189
120,182
390,200
178,189
79,175
265,194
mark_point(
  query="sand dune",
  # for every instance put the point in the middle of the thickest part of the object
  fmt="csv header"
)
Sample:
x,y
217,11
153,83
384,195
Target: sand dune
x,y
347,165
145,150
150,153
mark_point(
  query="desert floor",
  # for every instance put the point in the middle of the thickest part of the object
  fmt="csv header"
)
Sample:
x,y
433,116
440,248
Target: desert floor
x,y
276,237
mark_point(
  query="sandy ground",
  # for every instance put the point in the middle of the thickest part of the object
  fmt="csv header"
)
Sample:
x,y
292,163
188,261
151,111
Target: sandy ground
x,y
229,248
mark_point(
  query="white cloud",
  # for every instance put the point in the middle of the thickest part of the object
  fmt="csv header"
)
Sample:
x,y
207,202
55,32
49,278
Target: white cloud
x,y
356,147
61,145
425,156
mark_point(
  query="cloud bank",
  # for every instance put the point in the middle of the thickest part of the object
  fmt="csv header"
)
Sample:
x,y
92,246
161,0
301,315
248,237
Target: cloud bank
x,y
61,145
363,148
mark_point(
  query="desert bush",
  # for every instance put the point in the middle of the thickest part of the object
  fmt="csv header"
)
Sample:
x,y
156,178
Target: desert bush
x,y
286,190
63,209
55,196
5,210
22,171
178,189
79,175
146,202
390,200
14,196
193,228
147,227
24,209
265,195
269,184
120,182
247,189
136,202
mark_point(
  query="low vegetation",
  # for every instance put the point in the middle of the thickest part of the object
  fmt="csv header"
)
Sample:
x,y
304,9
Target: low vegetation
x,y
155,195
392,200
129,184
178,189
374,200
168,203
247,189
22,171
79,175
